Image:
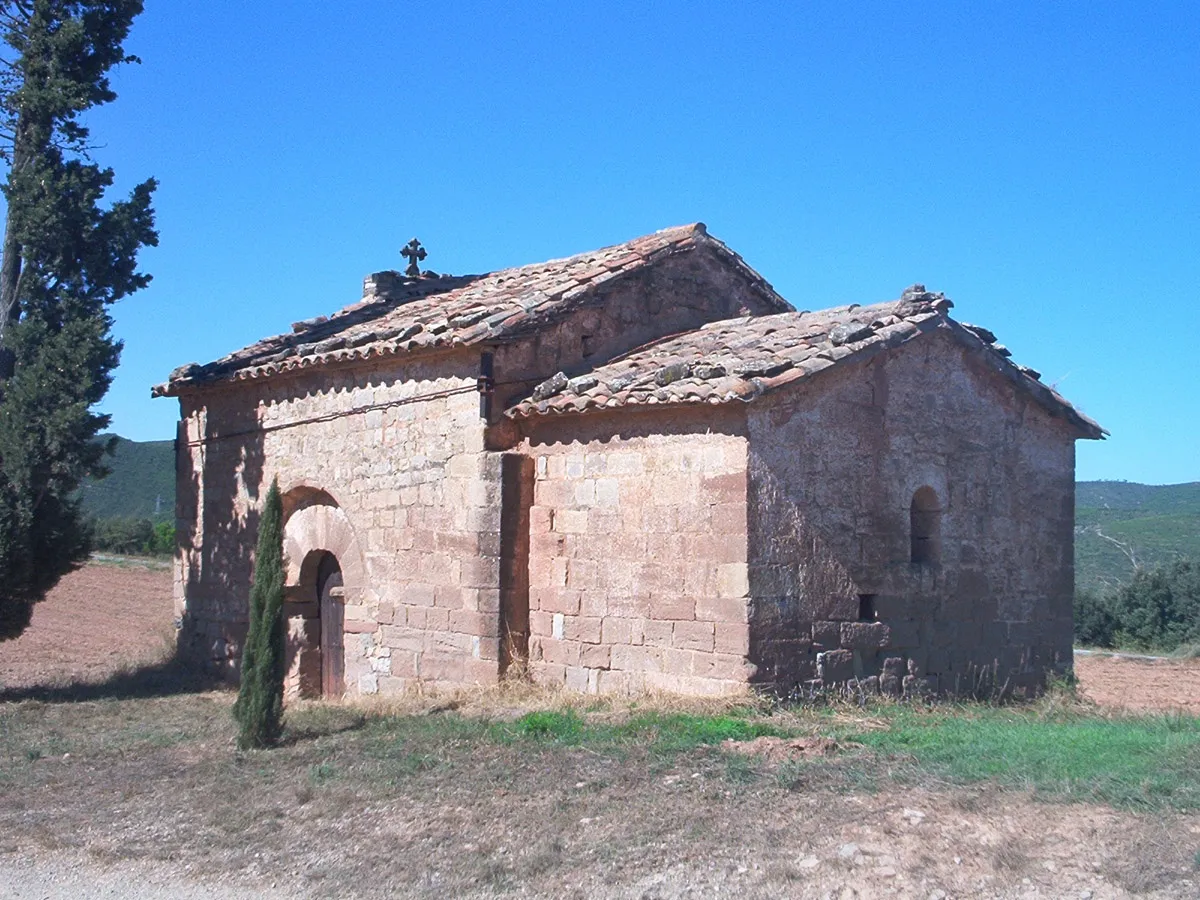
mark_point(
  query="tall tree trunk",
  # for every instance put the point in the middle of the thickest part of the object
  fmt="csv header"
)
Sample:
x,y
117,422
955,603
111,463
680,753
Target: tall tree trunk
x,y
10,265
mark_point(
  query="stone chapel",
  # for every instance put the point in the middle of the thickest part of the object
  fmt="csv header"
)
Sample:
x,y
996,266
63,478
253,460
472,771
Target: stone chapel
x,y
635,468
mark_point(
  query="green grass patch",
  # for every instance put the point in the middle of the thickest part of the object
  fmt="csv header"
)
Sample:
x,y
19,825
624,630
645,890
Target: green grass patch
x,y
1148,761
656,731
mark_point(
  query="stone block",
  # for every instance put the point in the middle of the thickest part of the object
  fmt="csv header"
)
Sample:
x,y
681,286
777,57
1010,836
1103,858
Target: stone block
x,y
732,638
571,521
615,630
418,594
403,638
576,679
656,633
540,622
442,666
673,606
733,580
479,572
563,600
636,659
864,635
562,652
541,519
593,603
722,666
895,666
835,666
722,609
826,635
678,662
475,623
607,492
582,628
610,682
595,656
693,636
451,642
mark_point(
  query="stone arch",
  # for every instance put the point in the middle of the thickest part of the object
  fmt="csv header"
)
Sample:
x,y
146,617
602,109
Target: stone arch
x,y
316,523
316,530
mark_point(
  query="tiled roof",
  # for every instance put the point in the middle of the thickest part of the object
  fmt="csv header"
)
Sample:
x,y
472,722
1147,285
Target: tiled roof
x,y
402,314
741,359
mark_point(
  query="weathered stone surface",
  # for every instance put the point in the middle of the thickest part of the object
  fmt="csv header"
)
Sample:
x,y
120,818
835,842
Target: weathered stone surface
x,y
834,666
672,373
551,386
849,332
864,635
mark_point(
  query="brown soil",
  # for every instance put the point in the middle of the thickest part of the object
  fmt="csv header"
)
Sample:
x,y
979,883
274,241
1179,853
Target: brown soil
x,y
152,787
98,621
1141,684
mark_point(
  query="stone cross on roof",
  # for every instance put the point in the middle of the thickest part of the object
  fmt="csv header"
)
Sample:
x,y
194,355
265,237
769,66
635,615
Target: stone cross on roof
x,y
414,253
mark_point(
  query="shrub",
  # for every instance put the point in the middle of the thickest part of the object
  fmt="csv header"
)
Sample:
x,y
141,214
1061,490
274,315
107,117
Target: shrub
x,y
1160,608
1094,621
259,706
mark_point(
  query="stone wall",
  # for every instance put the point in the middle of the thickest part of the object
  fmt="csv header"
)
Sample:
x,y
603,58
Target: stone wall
x,y
637,559
678,294
834,465
398,450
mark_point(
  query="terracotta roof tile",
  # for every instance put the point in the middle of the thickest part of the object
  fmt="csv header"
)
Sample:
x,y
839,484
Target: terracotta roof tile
x,y
741,359
413,314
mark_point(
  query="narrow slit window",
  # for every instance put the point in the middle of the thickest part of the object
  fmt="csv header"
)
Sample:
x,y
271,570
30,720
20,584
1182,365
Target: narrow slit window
x,y
866,608
925,526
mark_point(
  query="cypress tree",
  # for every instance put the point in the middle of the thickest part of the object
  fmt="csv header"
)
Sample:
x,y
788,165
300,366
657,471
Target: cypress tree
x,y
259,706
66,259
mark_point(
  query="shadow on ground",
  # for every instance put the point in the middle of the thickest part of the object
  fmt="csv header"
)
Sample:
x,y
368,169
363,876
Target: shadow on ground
x,y
165,679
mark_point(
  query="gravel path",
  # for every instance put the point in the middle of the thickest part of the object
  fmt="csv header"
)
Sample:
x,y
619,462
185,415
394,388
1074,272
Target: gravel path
x,y
55,877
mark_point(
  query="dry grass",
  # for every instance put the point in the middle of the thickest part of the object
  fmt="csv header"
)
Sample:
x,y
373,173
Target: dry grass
x,y
468,794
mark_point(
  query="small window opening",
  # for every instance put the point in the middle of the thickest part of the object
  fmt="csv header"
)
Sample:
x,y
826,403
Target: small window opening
x,y
925,525
586,345
866,608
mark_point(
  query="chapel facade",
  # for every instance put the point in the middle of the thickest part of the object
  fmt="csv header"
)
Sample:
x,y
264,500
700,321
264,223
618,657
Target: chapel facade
x,y
636,468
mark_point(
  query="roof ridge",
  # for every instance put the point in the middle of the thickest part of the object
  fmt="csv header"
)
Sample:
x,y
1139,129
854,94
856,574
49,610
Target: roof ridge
x,y
408,314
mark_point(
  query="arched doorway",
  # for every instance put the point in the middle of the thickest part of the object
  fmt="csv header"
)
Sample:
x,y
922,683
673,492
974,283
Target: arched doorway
x,y
325,574
330,620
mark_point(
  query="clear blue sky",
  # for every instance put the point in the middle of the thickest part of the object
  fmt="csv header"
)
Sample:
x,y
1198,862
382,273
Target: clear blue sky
x,y
1038,162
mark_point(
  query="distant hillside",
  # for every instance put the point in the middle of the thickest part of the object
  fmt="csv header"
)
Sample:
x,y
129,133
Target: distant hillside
x,y
140,484
1117,522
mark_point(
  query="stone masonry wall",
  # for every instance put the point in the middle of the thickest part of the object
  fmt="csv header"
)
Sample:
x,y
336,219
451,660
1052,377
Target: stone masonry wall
x,y
399,449
678,294
834,465
637,557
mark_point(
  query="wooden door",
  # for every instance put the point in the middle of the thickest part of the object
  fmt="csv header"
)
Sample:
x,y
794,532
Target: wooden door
x,y
333,659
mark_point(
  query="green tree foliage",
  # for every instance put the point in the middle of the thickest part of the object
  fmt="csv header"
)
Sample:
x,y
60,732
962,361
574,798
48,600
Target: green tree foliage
x,y
1158,610
259,706
133,536
66,258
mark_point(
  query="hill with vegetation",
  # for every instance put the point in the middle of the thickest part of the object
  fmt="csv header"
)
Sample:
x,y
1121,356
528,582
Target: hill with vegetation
x,y
140,483
1120,525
